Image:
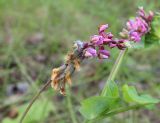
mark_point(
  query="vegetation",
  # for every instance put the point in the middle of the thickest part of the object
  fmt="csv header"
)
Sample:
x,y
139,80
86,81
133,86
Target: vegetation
x,y
34,38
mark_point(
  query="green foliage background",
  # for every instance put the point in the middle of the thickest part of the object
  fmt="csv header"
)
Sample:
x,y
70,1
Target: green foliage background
x,y
60,23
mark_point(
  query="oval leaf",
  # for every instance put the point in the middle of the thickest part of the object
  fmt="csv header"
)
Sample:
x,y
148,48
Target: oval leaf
x,y
112,90
94,106
130,95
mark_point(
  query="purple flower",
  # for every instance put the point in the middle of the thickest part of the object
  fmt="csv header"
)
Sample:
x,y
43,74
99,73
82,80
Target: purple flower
x,y
137,25
120,44
112,44
97,39
141,12
106,41
103,54
137,28
102,28
90,52
135,36
143,15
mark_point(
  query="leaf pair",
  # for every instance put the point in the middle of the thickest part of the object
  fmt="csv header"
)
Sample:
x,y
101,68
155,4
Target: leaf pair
x,y
95,106
111,103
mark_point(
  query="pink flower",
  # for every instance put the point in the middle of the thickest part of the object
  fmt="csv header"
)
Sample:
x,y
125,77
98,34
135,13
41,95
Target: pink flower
x,y
112,44
90,52
141,12
102,28
120,44
137,28
144,16
135,36
97,39
103,54
137,25
106,41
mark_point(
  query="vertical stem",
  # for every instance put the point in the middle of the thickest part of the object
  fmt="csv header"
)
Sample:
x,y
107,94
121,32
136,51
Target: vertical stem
x,y
111,77
114,69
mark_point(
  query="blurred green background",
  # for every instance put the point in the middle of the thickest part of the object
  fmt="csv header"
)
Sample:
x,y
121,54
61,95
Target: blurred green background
x,y
35,36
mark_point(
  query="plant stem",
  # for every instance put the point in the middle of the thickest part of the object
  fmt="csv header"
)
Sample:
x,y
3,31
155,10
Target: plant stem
x,y
112,75
117,111
34,99
114,69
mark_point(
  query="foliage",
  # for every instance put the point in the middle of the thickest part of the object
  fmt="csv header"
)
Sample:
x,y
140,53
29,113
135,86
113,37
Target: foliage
x,y
39,111
153,37
61,22
101,106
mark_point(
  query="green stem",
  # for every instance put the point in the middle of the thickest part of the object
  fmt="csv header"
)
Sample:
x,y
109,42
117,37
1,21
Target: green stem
x,y
117,111
114,69
33,100
111,77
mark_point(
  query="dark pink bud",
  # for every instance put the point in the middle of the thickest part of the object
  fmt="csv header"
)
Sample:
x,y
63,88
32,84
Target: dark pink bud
x,y
150,16
103,27
101,47
110,35
112,45
103,54
106,41
85,45
120,44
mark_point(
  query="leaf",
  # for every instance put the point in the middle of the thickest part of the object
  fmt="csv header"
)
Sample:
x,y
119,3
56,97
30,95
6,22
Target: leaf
x,y
112,90
153,37
95,106
130,95
39,111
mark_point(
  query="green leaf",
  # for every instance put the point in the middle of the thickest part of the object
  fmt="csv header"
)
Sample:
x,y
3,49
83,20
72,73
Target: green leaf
x,y
153,37
130,95
95,106
39,111
112,90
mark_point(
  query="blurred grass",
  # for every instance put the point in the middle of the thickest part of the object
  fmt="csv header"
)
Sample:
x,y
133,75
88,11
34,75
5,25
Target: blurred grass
x,y
59,23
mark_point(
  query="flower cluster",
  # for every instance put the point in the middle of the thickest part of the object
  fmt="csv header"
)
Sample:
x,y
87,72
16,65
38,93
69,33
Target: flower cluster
x,y
138,26
96,46
135,29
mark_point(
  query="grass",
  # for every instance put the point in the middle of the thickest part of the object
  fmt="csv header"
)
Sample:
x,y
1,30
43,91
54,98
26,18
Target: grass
x,y
60,23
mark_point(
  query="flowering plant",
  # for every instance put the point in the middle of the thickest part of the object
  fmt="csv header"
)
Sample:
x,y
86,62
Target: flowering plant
x,y
143,28
135,29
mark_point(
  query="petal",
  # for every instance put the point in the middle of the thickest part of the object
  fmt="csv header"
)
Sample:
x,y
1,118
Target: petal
x,y
141,12
106,40
135,36
104,54
90,52
103,27
150,16
97,39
